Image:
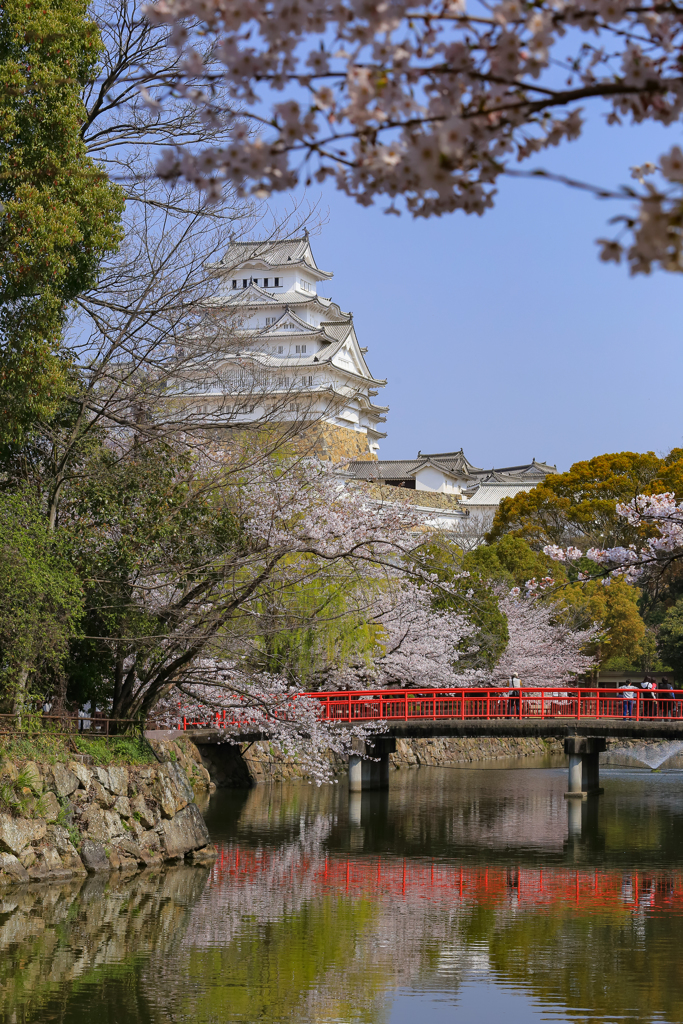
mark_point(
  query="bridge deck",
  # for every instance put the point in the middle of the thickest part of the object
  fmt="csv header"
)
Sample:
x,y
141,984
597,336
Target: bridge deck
x,y
470,727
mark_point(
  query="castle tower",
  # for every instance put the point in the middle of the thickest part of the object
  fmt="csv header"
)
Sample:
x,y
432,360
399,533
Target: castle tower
x,y
302,339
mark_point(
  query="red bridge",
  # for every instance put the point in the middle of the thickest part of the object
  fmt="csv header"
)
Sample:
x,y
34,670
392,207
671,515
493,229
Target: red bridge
x,y
469,704
584,716
490,704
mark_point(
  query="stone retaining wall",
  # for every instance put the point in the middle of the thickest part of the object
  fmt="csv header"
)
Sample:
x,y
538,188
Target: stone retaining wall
x,y
458,750
72,818
236,766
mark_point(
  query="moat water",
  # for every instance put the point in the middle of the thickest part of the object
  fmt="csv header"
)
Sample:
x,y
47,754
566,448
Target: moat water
x,y
474,896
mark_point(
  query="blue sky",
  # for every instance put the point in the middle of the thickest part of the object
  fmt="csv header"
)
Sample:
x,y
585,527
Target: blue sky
x,y
505,335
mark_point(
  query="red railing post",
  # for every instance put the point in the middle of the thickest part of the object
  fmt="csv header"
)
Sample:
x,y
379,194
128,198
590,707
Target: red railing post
x,y
578,704
405,705
488,704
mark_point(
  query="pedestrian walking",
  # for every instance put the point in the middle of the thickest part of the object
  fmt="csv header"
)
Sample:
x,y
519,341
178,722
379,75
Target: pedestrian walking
x,y
630,693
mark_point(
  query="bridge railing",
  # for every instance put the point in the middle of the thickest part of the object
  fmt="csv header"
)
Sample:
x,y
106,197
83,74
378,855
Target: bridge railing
x,y
490,704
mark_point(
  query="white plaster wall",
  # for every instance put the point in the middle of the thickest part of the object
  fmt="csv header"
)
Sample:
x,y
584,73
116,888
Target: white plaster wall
x,y
429,479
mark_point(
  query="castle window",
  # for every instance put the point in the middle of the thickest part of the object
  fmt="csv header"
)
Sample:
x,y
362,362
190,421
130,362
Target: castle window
x,y
244,282
277,282
265,282
306,381
300,349
280,349
234,284
270,320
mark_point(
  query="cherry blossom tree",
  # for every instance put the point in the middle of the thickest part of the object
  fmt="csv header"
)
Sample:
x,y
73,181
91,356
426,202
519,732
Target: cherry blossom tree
x,y
267,707
656,514
417,645
175,589
431,102
542,650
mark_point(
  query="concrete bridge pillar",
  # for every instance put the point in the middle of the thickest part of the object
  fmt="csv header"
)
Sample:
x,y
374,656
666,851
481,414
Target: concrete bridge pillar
x,y
369,763
584,765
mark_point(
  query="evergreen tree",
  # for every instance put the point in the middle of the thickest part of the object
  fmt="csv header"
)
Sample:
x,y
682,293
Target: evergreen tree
x,y
59,215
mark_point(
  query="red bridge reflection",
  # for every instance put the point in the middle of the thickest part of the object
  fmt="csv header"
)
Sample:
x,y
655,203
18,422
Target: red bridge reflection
x,y
438,882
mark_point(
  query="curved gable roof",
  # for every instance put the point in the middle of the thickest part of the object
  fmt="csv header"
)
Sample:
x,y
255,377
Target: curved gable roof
x,y
294,251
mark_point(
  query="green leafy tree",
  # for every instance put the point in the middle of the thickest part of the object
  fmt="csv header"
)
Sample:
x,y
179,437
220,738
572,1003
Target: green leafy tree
x,y
472,583
40,599
60,214
579,506
670,639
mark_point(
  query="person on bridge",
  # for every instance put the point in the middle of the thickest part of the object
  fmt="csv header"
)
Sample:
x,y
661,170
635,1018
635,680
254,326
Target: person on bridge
x,y
513,705
649,705
666,691
630,693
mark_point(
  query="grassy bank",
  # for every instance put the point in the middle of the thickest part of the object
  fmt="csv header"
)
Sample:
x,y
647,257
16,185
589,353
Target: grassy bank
x,y
48,748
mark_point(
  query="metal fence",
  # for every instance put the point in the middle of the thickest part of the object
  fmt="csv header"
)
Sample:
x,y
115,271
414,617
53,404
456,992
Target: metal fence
x,y
92,726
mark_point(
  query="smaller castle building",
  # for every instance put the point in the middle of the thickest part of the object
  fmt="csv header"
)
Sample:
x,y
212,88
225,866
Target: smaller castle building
x,y
451,473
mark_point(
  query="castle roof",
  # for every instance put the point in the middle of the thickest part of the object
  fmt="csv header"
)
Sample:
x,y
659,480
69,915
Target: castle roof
x,y
275,254
454,464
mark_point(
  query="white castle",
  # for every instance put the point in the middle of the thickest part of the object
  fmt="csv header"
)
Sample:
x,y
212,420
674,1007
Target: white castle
x,y
303,343
297,352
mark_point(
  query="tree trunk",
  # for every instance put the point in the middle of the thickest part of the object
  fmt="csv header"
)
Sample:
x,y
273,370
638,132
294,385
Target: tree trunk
x,y
20,692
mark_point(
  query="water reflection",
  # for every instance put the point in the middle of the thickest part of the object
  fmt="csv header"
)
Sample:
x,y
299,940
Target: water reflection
x,y
458,895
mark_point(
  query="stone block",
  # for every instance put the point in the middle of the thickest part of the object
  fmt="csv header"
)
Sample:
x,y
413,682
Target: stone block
x,y
59,838
101,795
9,771
94,857
120,862
122,807
18,833
127,848
118,781
102,776
28,857
174,791
102,825
50,806
150,841
186,831
146,816
11,869
62,780
31,773
48,866
82,773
